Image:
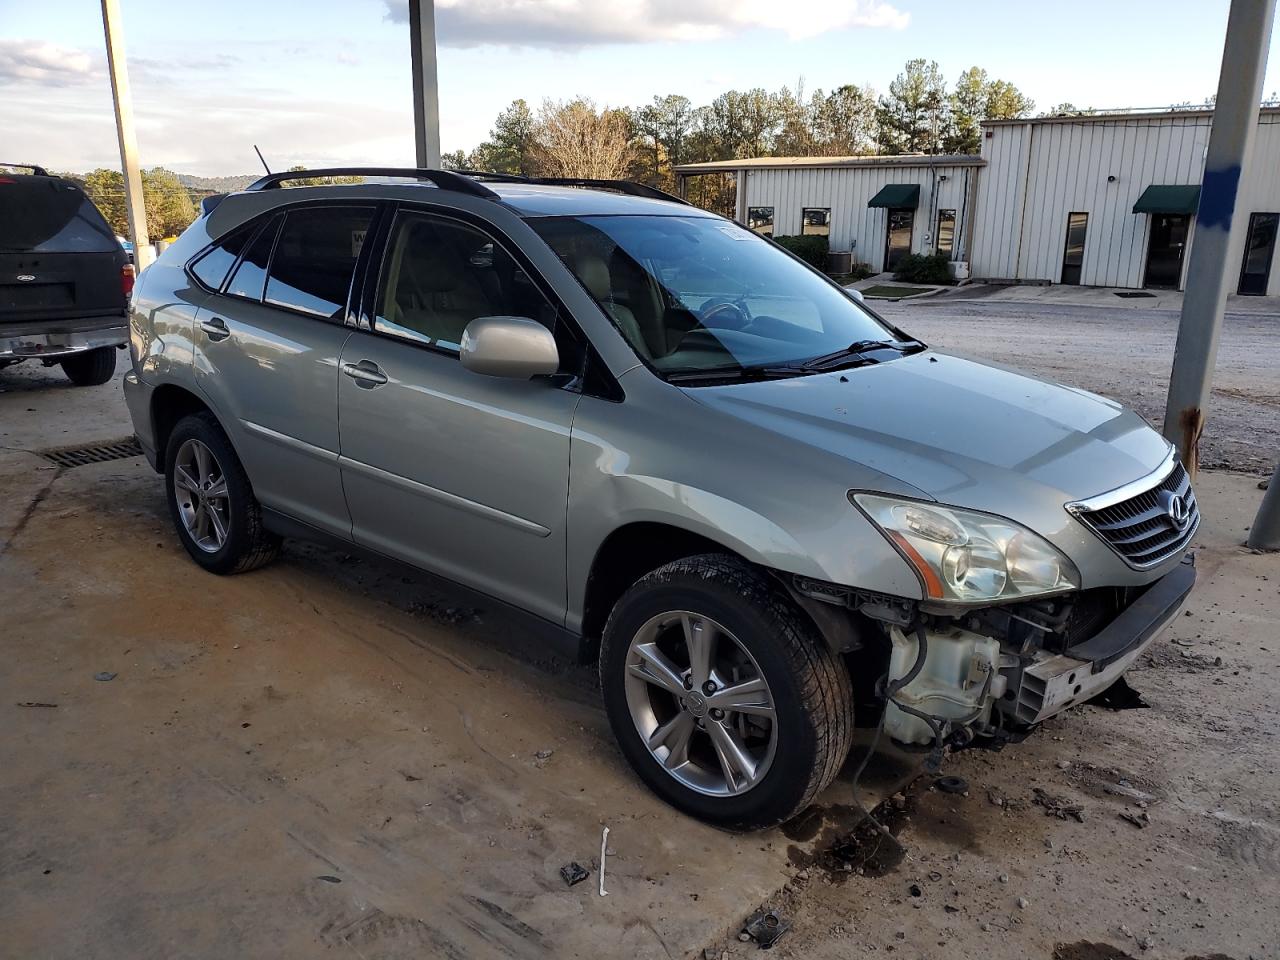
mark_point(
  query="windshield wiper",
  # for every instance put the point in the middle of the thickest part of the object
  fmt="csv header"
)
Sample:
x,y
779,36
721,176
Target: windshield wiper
x,y
771,371
857,353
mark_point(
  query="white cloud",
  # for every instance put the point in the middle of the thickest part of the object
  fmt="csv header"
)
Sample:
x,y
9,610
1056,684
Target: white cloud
x,y
579,23
35,61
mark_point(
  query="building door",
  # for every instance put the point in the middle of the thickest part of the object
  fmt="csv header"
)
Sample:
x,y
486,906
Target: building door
x,y
1073,252
1165,249
898,242
1259,251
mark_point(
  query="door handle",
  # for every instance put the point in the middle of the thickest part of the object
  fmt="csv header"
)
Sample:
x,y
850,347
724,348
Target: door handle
x,y
215,328
366,374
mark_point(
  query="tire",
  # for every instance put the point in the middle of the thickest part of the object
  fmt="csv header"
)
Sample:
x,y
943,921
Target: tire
x,y
809,692
91,368
245,544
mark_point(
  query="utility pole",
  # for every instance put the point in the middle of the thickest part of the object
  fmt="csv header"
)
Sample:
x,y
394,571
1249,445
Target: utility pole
x,y
1235,119
142,254
426,90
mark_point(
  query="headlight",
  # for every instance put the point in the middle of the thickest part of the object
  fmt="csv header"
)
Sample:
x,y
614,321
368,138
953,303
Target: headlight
x,y
966,556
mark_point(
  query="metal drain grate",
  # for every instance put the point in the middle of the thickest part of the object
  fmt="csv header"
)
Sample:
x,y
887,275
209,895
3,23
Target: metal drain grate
x,y
99,453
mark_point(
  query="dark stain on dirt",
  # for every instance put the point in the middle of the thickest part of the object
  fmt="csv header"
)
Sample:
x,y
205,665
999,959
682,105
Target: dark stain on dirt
x,y
842,842
1088,950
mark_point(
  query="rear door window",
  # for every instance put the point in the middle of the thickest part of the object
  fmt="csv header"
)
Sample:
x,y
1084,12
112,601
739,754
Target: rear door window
x,y
251,275
315,258
47,215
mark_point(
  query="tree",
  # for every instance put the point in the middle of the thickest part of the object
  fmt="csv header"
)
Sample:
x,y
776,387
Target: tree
x,y
968,107
511,140
106,189
844,121
319,181
665,125
1003,101
169,207
456,160
575,139
913,116
742,124
796,136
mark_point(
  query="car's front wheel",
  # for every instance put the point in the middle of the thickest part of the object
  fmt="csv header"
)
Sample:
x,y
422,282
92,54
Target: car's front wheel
x,y
211,501
722,695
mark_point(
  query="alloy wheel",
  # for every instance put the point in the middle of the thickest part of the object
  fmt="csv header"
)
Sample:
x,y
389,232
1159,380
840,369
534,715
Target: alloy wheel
x,y
700,703
200,488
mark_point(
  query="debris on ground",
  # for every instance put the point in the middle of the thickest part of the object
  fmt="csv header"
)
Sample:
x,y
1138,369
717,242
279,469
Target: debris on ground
x,y
1059,807
329,878
573,873
765,927
604,852
1140,820
543,754
952,784
34,703
1009,804
104,676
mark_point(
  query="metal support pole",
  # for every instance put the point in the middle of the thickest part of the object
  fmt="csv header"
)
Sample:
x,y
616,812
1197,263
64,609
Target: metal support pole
x,y
426,91
1235,119
133,201
1265,532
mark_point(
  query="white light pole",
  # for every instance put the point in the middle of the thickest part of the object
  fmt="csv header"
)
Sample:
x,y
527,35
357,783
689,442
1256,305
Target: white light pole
x,y
142,254
1235,119
426,92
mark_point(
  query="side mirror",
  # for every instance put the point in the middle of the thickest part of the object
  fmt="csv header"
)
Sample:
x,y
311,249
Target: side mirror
x,y
855,294
515,347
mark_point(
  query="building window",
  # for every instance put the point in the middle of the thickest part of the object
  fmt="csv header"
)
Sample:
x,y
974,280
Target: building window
x,y
760,219
947,232
815,221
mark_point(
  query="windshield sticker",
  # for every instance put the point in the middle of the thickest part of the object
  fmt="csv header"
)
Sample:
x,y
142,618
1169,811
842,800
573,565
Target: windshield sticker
x,y
734,233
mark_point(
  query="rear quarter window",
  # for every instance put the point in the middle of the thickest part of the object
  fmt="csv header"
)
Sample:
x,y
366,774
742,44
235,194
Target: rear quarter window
x,y
211,269
46,215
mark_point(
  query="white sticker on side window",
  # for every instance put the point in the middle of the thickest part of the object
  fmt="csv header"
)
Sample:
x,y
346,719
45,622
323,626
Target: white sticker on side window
x,y
357,242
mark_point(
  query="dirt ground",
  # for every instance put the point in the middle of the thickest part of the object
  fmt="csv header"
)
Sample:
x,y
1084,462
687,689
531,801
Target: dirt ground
x,y
331,756
1125,353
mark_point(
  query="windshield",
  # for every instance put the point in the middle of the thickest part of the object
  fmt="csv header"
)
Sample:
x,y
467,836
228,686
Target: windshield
x,y
700,295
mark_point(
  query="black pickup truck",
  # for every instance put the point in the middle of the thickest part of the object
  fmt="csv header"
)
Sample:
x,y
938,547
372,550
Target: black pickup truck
x,y
65,279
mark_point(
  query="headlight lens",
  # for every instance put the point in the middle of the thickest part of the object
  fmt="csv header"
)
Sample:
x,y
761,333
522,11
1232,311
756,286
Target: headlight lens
x,y
967,556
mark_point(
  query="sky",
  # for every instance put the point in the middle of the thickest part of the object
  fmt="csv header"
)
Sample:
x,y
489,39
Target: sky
x,y
328,82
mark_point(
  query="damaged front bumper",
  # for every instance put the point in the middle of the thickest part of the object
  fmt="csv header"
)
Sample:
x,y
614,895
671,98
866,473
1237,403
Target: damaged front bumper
x,y
1053,682
1025,665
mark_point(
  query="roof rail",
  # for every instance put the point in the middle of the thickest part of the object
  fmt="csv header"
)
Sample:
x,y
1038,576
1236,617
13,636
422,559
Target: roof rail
x,y
35,171
621,186
444,179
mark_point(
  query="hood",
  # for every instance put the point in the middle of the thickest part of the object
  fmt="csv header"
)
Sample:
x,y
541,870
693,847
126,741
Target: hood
x,y
964,432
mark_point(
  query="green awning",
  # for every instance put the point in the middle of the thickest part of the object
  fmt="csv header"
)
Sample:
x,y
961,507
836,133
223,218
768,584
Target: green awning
x,y
1167,198
898,196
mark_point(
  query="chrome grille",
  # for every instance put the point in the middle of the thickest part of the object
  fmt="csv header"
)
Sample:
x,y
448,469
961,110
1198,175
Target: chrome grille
x,y
1141,528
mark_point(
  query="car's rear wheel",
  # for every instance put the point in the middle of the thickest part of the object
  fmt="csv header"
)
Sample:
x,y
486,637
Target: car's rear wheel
x,y
91,368
722,695
211,501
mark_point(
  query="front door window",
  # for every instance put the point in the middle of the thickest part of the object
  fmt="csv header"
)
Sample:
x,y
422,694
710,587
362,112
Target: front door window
x,y
1165,250
898,244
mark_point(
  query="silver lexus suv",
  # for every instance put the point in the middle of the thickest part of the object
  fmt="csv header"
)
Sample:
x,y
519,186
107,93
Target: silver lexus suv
x,y
768,513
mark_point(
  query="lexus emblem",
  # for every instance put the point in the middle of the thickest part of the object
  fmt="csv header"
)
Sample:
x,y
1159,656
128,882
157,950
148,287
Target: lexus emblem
x,y
25,277
1177,509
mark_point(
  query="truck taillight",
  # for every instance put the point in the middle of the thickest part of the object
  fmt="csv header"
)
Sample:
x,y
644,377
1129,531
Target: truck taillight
x,y
127,275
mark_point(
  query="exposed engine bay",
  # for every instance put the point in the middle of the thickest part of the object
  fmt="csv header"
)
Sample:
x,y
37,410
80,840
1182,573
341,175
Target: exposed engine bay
x,y
957,673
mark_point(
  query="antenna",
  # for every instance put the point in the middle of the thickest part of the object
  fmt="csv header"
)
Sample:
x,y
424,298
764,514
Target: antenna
x,y
264,162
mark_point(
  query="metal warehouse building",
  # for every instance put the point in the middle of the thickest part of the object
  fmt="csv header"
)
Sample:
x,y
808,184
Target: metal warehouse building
x,y
880,208
1110,200
1104,199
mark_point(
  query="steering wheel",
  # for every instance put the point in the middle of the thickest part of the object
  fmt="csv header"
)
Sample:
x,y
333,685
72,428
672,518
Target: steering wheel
x,y
724,313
